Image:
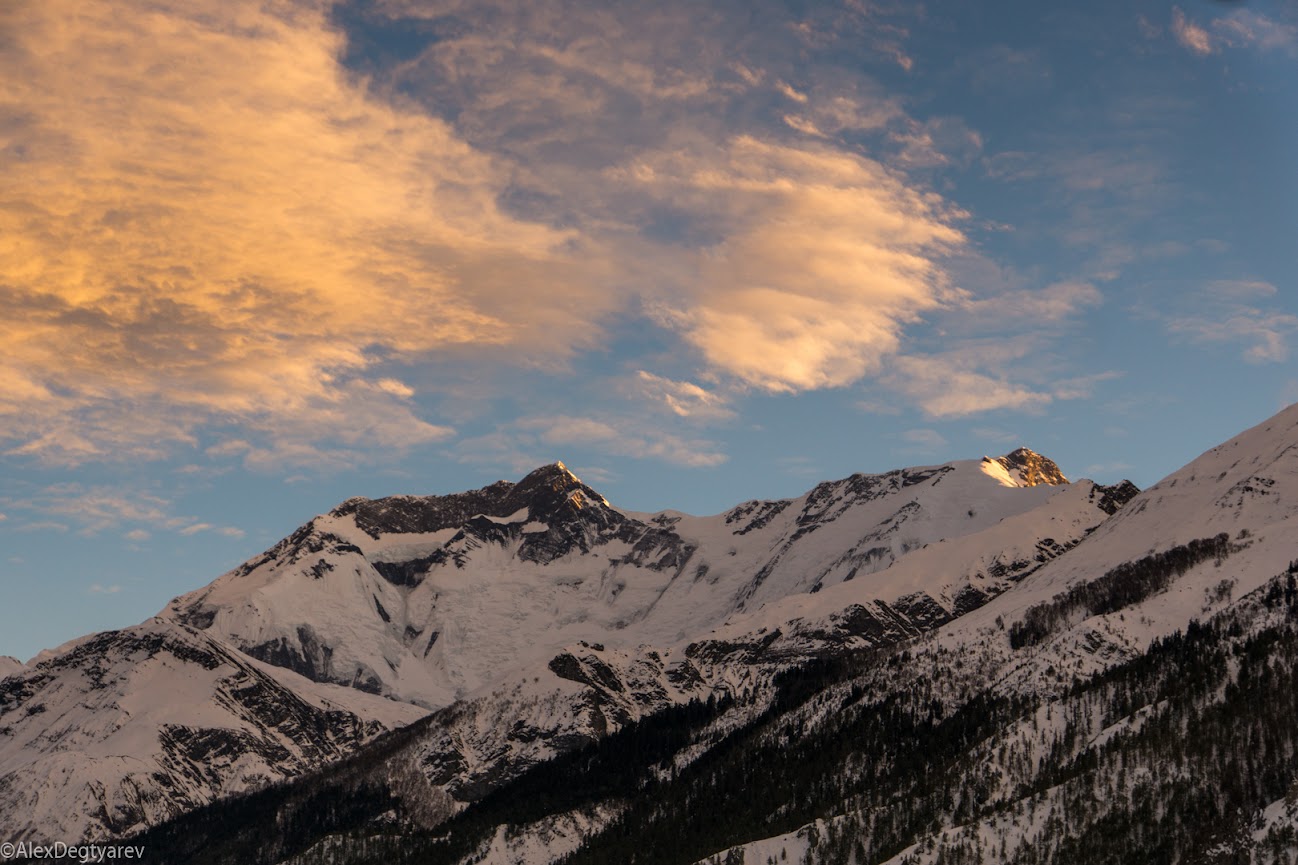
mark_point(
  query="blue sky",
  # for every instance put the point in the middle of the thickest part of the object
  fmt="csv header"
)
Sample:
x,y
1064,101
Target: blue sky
x,y
261,257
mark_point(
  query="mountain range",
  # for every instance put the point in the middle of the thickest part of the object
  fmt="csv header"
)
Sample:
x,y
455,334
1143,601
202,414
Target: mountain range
x,y
974,661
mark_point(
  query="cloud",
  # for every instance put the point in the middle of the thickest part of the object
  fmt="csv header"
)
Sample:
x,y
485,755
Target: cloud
x,y
624,439
787,264
1240,289
1190,35
1082,387
1251,29
97,589
1001,351
94,509
950,386
1050,305
684,398
1240,28
596,474
924,440
523,444
99,508
1266,332
821,258
936,142
1225,311
996,435
42,526
798,466
1106,469
208,220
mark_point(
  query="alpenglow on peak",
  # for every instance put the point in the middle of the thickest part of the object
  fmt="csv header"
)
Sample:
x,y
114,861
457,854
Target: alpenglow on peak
x,y
1025,467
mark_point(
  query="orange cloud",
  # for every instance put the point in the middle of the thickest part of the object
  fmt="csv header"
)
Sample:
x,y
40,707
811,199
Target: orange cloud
x,y
823,257
1189,34
204,217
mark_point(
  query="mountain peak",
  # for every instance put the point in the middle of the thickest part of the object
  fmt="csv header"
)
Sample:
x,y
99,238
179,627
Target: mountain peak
x,y
1024,467
555,472
551,485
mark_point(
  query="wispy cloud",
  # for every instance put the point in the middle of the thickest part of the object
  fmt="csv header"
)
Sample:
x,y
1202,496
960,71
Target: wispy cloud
x,y
684,398
98,589
1266,334
1189,34
788,264
798,466
94,509
822,258
595,474
531,441
924,440
1227,311
950,385
213,224
994,434
623,439
1239,28
1046,306
1106,470
1251,29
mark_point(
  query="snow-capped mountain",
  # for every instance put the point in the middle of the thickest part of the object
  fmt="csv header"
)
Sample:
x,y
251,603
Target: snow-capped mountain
x,y
1152,658
541,616
126,728
1126,698
428,599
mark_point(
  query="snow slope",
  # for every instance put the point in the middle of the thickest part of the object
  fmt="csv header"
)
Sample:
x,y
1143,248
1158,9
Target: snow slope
x,y
126,728
9,666
1245,488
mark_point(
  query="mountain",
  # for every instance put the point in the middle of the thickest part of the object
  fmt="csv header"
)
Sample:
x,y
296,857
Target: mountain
x,y
1130,701
126,728
534,619
427,599
1127,699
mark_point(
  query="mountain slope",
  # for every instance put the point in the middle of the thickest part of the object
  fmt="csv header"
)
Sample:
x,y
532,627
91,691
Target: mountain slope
x,y
9,666
1121,729
126,728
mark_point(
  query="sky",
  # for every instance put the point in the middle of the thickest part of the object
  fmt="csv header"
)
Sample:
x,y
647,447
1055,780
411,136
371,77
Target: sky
x,y
260,256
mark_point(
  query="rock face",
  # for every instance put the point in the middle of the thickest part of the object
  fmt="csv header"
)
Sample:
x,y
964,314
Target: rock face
x,y
1029,468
